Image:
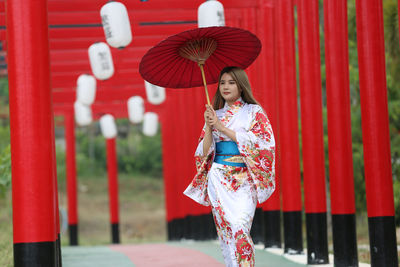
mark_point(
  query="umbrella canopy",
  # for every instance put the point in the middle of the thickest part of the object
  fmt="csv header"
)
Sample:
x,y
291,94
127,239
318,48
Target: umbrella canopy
x,y
175,61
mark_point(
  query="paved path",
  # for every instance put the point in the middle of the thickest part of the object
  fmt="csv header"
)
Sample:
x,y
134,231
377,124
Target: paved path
x,y
171,254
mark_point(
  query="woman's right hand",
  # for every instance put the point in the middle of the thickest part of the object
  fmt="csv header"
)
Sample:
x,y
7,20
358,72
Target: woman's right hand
x,y
208,115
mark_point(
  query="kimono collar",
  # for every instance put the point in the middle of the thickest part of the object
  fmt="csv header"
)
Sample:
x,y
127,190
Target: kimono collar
x,y
235,106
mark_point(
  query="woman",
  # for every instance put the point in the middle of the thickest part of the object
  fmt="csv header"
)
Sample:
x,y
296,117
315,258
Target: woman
x,y
235,161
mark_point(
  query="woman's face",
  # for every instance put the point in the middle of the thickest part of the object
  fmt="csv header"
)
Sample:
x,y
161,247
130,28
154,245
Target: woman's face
x,y
229,88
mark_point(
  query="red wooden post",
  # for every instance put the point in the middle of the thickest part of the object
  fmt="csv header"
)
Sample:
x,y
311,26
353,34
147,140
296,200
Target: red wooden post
x,y
168,161
72,196
288,127
272,207
375,129
341,178
31,117
112,170
312,132
56,206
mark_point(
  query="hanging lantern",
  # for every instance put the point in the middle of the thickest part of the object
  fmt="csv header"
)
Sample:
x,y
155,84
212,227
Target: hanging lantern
x,y
155,94
101,61
210,13
135,109
83,114
116,25
150,124
86,89
108,126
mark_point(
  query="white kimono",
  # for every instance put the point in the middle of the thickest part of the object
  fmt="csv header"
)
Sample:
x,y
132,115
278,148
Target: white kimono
x,y
233,191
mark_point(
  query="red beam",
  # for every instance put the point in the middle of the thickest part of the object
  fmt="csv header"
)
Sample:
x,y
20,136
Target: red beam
x,y
102,95
120,78
80,43
78,5
72,55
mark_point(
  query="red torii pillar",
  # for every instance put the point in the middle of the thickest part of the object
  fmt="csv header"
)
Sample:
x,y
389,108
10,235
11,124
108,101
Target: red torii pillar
x,y
112,170
288,127
71,178
341,178
312,132
56,210
267,71
31,128
375,131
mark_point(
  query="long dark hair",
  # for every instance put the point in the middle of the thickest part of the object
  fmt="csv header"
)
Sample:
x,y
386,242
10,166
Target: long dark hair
x,y
243,84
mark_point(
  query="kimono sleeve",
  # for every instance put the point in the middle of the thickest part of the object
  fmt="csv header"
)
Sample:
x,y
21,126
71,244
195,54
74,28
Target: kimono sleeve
x,y
197,189
198,155
257,147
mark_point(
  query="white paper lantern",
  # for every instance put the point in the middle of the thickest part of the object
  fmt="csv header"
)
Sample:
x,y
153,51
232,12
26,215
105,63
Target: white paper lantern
x,y
135,109
86,89
150,124
116,25
108,126
101,61
155,94
210,13
83,114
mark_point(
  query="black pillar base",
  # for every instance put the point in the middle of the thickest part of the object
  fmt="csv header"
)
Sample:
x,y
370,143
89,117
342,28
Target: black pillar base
x,y
257,228
169,230
187,222
73,234
195,227
58,248
344,240
272,229
292,231
382,241
317,238
180,228
172,230
38,254
212,230
115,233
203,227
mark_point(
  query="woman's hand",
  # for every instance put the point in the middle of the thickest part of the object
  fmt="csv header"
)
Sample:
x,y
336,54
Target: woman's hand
x,y
208,115
212,119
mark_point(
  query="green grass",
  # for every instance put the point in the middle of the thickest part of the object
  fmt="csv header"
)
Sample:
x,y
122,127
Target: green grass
x,y
6,239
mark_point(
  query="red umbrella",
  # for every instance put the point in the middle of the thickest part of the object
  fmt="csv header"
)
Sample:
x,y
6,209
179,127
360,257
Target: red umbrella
x,y
177,62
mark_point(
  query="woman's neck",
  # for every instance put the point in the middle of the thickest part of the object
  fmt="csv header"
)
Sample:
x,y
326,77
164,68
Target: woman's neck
x,y
230,103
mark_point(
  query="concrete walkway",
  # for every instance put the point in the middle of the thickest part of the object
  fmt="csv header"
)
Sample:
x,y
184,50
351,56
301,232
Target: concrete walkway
x,y
171,254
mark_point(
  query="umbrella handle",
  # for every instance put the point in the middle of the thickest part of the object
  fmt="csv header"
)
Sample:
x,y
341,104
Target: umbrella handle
x,y
205,83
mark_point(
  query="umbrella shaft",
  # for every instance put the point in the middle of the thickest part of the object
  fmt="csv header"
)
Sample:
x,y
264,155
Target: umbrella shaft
x,y
205,83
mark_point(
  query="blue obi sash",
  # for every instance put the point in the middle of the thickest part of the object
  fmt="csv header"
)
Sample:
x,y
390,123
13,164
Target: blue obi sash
x,y
226,150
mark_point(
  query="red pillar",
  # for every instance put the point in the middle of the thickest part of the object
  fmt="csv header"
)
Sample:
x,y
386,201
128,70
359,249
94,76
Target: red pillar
x,y
341,178
312,132
168,139
375,129
288,126
266,94
72,196
56,210
112,170
31,131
